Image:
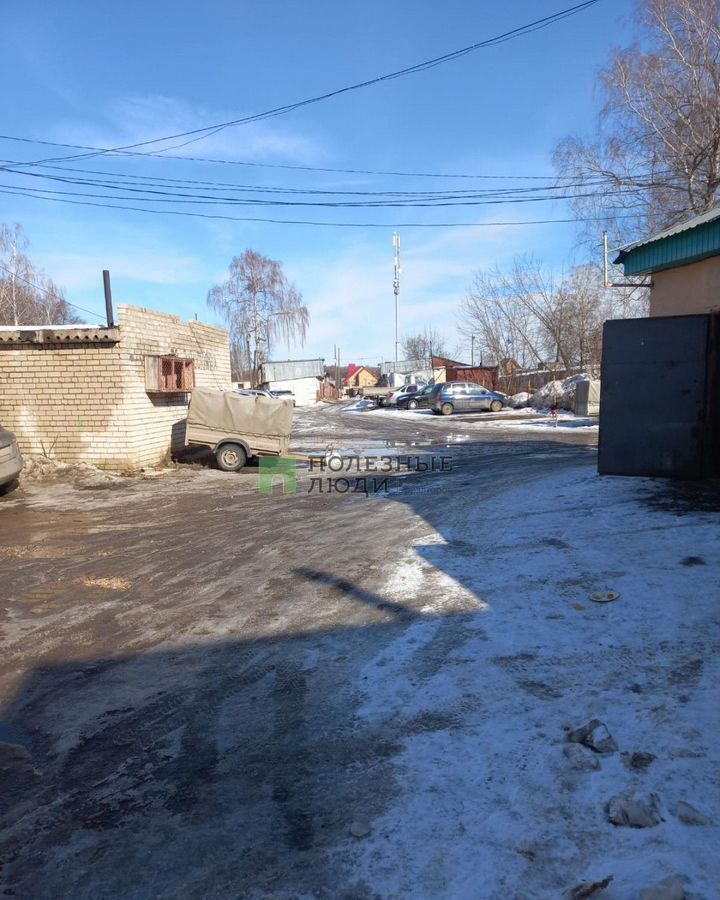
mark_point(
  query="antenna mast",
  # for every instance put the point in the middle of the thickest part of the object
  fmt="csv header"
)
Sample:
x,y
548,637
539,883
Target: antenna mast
x,y
396,289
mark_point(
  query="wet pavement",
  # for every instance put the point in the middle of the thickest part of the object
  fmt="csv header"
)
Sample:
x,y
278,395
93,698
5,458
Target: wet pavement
x,y
183,663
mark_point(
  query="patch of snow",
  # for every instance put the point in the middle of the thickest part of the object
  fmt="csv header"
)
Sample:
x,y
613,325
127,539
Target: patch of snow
x,y
558,393
489,803
520,400
359,405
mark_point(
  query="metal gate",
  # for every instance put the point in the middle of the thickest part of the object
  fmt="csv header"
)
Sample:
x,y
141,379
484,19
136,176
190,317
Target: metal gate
x,y
659,411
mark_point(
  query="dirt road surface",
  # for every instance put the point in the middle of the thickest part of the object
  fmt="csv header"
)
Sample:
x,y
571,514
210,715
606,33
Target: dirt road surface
x,y
209,692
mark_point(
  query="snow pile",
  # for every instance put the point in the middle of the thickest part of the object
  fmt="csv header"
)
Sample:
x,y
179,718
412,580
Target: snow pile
x,y
557,393
40,468
519,401
359,405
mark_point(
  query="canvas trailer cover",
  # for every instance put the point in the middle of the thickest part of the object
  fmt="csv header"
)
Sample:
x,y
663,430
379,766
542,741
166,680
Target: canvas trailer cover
x,y
260,424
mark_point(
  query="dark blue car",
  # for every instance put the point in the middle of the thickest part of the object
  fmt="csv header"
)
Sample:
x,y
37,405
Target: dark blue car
x,y
461,396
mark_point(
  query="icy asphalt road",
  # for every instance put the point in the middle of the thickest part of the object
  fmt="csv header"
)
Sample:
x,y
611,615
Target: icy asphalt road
x,y
212,685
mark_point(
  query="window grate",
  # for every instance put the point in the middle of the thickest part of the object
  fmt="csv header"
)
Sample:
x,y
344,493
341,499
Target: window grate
x,y
169,375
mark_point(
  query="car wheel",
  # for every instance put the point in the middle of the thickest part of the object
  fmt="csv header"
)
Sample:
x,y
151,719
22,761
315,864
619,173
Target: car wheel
x,y
412,404
496,406
447,409
231,457
8,487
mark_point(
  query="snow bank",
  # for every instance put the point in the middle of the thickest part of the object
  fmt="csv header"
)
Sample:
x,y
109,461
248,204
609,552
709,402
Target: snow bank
x,y
39,468
558,393
519,401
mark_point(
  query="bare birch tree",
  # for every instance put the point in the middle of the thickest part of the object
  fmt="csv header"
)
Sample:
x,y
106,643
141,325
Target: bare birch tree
x,y
261,309
425,343
655,158
533,317
27,295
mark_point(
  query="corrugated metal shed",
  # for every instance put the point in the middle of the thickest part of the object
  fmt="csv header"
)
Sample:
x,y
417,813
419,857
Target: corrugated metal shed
x,y
289,369
690,241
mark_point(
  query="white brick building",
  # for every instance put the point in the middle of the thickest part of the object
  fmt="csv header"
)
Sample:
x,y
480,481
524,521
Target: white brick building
x,y
114,397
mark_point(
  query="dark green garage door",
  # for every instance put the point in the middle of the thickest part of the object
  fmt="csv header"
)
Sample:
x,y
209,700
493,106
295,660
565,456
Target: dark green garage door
x,y
659,404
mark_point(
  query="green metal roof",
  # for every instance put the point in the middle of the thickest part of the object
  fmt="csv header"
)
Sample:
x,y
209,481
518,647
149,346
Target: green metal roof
x,y
690,241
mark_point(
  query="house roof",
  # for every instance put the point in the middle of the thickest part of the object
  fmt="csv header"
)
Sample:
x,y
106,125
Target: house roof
x,y
422,364
438,361
689,241
356,371
289,369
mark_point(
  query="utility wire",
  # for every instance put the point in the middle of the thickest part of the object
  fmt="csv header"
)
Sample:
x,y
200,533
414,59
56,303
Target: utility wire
x,y
198,134
155,181
17,192
98,151
49,294
158,196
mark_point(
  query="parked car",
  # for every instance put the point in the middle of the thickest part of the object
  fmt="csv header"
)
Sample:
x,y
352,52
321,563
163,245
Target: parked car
x,y
254,392
392,397
11,462
460,396
416,400
283,395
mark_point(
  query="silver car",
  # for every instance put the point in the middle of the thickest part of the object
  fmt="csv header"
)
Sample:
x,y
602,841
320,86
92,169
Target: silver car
x,y
11,462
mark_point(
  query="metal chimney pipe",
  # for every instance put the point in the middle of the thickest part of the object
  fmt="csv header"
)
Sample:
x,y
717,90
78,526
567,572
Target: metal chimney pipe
x,y
108,299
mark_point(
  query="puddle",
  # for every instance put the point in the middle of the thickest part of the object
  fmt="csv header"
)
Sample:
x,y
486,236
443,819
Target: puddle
x,y
372,449
68,594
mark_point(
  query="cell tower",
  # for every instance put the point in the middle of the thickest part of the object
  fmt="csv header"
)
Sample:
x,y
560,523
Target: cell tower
x,y
396,290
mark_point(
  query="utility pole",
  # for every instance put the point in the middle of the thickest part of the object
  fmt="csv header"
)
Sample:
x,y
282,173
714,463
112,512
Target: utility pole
x,y
472,350
337,372
256,322
396,289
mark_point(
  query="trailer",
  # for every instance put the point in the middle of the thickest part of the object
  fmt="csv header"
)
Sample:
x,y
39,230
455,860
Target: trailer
x,y
237,427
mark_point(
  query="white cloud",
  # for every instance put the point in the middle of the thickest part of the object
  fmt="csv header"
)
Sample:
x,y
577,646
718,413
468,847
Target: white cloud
x,y
351,299
132,119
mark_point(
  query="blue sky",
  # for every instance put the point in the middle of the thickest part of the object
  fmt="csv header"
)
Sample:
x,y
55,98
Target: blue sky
x,y
108,74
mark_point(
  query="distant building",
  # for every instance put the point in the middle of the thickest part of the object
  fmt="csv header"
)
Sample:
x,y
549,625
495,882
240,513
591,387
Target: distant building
x,y
306,378
360,376
508,366
684,265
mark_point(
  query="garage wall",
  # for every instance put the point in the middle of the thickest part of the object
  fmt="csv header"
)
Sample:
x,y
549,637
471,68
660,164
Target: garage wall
x,y
79,394
304,389
686,289
156,422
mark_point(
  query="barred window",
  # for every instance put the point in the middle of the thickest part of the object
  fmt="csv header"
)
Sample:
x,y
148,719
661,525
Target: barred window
x,y
169,375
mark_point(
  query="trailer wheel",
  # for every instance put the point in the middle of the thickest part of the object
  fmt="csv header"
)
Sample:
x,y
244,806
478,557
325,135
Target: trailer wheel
x,y
496,406
230,457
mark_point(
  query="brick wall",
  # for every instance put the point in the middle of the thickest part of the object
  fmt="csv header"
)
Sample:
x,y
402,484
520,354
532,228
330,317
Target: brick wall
x,y
156,422
79,395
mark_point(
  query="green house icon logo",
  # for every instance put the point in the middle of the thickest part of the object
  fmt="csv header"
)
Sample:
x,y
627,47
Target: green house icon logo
x,y
278,470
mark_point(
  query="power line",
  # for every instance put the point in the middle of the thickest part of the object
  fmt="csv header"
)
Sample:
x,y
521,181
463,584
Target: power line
x,y
155,180
49,293
164,196
99,151
198,134
17,192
